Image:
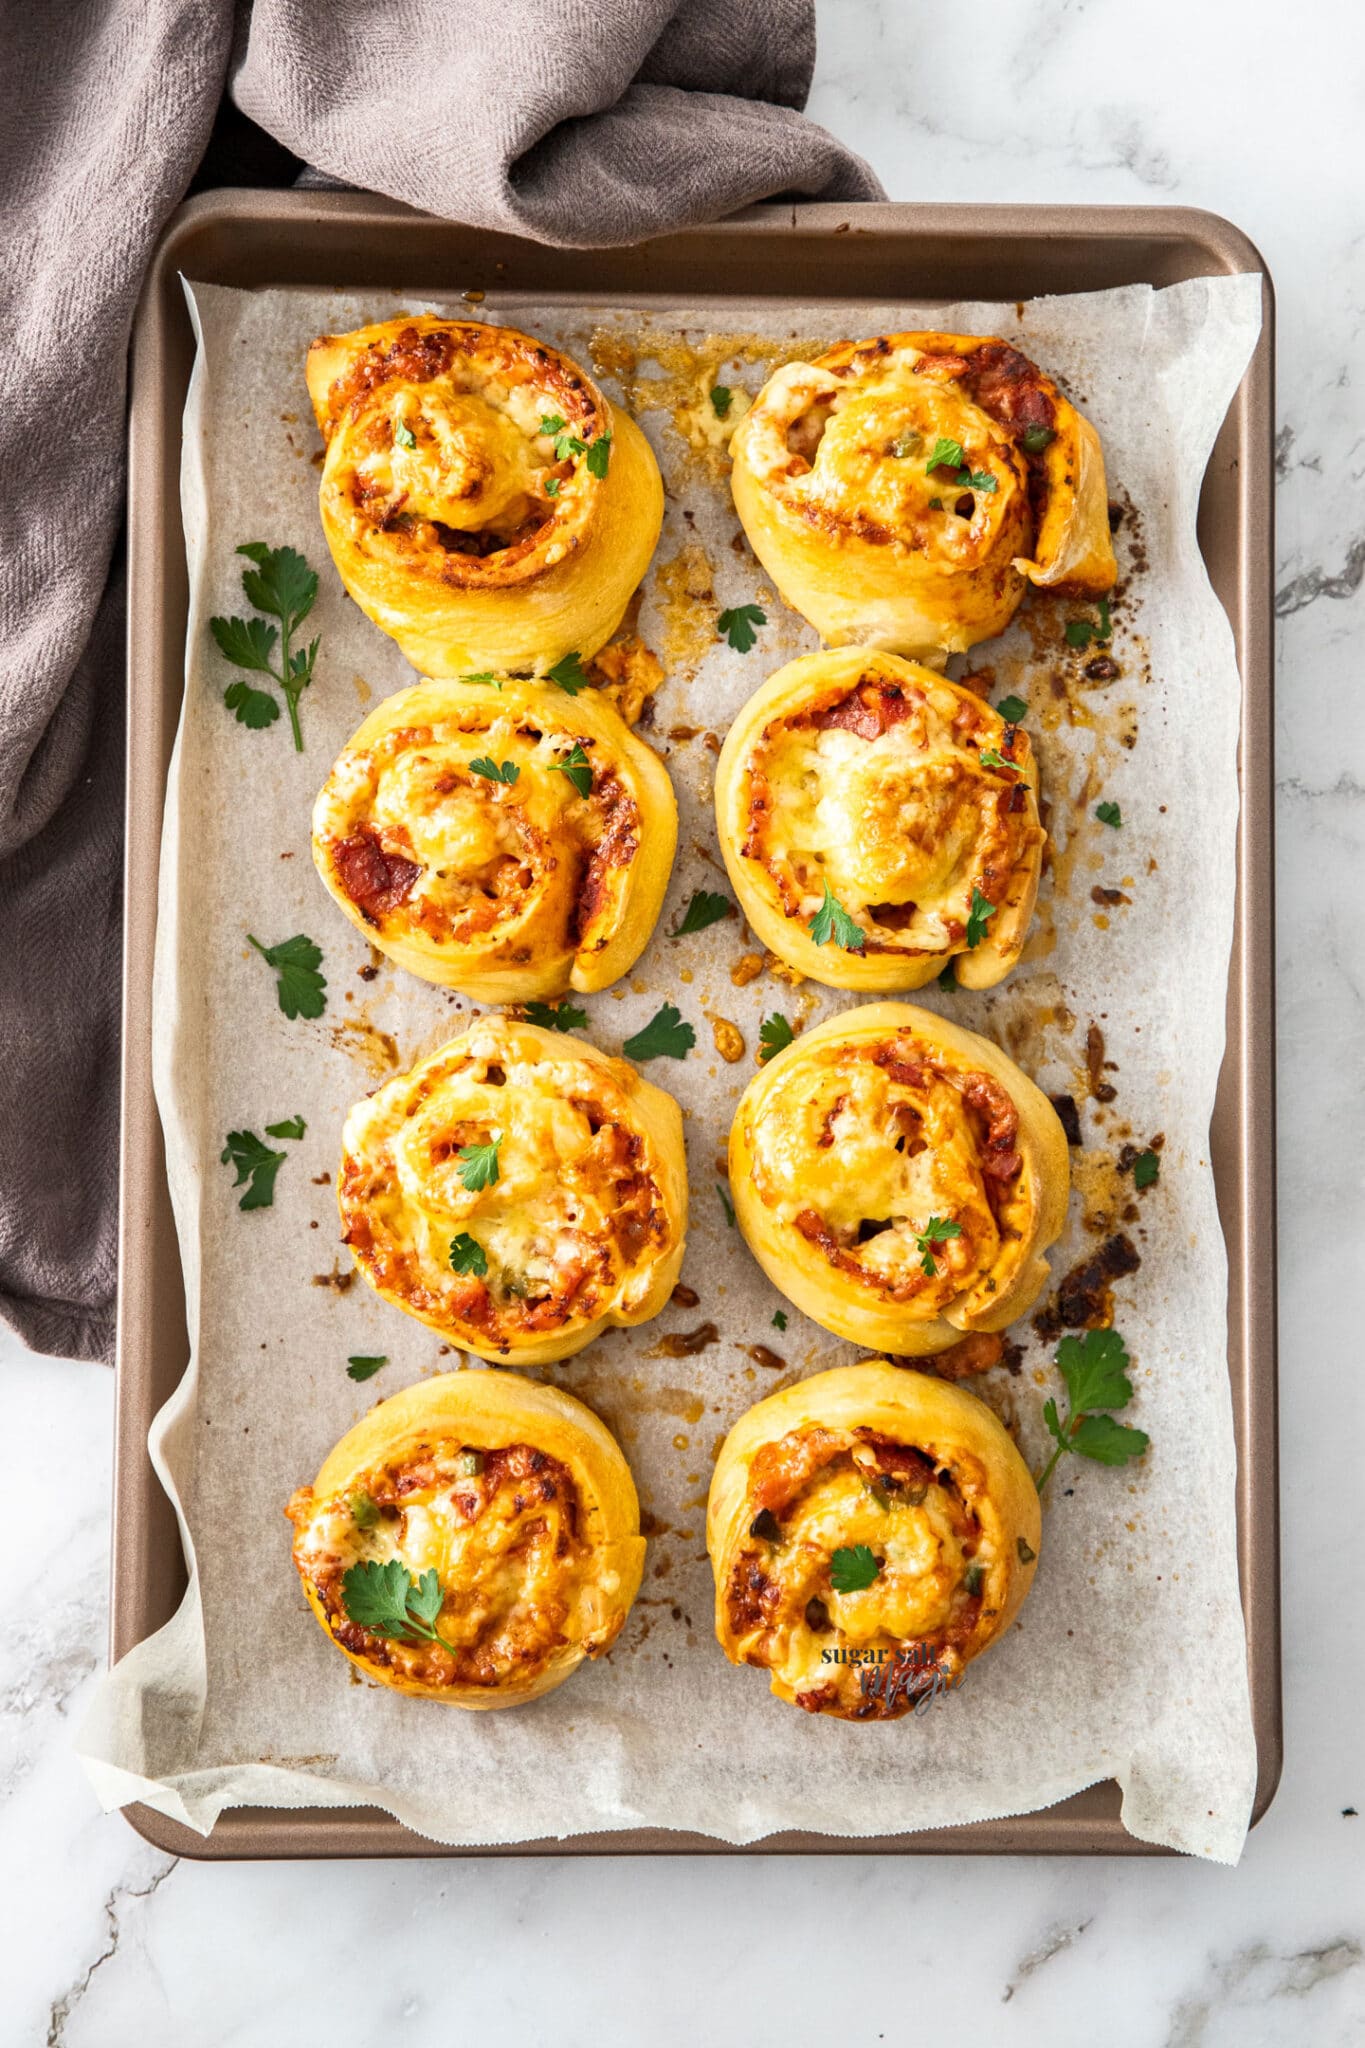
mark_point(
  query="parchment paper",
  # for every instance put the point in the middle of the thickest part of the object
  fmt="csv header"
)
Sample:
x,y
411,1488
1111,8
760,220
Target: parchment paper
x,y
1128,1660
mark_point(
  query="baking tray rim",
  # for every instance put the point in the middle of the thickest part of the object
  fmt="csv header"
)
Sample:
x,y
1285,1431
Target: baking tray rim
x,y
1087,1822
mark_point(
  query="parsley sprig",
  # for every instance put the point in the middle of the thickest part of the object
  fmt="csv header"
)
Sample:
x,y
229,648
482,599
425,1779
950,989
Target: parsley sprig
x,y
1095,1368
948,455
361,1367
832,921
256,1164
467,1255
706,908
385,1600
774,1036
555,1016
505,772
577,768
852,1569
300,989
666,1036
570,674
978,916
1080,632
477,1165
282,585
936,1231
737,623
1012,710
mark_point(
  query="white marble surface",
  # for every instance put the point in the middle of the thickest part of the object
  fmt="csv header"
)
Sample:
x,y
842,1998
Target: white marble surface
x,y
1254,114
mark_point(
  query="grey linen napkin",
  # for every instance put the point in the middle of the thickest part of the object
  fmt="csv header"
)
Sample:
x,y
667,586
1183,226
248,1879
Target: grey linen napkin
x,y
578,122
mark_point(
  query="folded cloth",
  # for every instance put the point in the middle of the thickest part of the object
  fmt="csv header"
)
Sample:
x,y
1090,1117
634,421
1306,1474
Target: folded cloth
x,y
578,122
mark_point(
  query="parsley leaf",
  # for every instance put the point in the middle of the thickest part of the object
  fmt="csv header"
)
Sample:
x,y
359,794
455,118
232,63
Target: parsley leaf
x,y
552,486
255,709
578,769
1012,709
1038,438
1146,1168
666,1036
948,980
854,1570
256,1164
1094,1368
483,675
774,1036
385,1600
1105,630
300,988
404,436
1109,814
569,673
555,1016
989,758
936,504
1078,632
832,921
282,585
478,1165
505,772
738,623
981,911
552,423
704,909
467,1255
780,1319
292,1127
947,455
721,395
726,1204
364,1511
1106,1441
980,480
935,1231
359,1367
247,643
599,455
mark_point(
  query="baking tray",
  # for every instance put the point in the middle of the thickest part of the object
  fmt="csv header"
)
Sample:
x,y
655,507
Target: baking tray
x,y
872,254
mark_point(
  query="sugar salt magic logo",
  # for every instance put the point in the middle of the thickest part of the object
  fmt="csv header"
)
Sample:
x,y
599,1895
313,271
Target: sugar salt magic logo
x,y
911,1673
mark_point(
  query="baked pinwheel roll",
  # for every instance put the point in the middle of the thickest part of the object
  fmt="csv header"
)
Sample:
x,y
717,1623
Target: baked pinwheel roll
x,y
871,1531
878,821
899,1179
484,503
518,1190
472,1540
500,837
903,492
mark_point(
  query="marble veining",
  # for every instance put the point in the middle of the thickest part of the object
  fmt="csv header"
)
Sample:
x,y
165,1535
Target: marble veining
x,y
106,1941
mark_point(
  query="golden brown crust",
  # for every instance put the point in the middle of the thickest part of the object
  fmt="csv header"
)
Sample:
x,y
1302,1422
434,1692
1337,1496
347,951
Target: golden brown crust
x,y
906,796
463,527
835,483
852,1144
546,875
915,1474
518,1499
581,1225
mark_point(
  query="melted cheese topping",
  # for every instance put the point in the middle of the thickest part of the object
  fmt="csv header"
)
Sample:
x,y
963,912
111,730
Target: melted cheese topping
x,y
857,1155
849,448
573,1227
520,1584
436,448
904,823
504,864
920,1608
